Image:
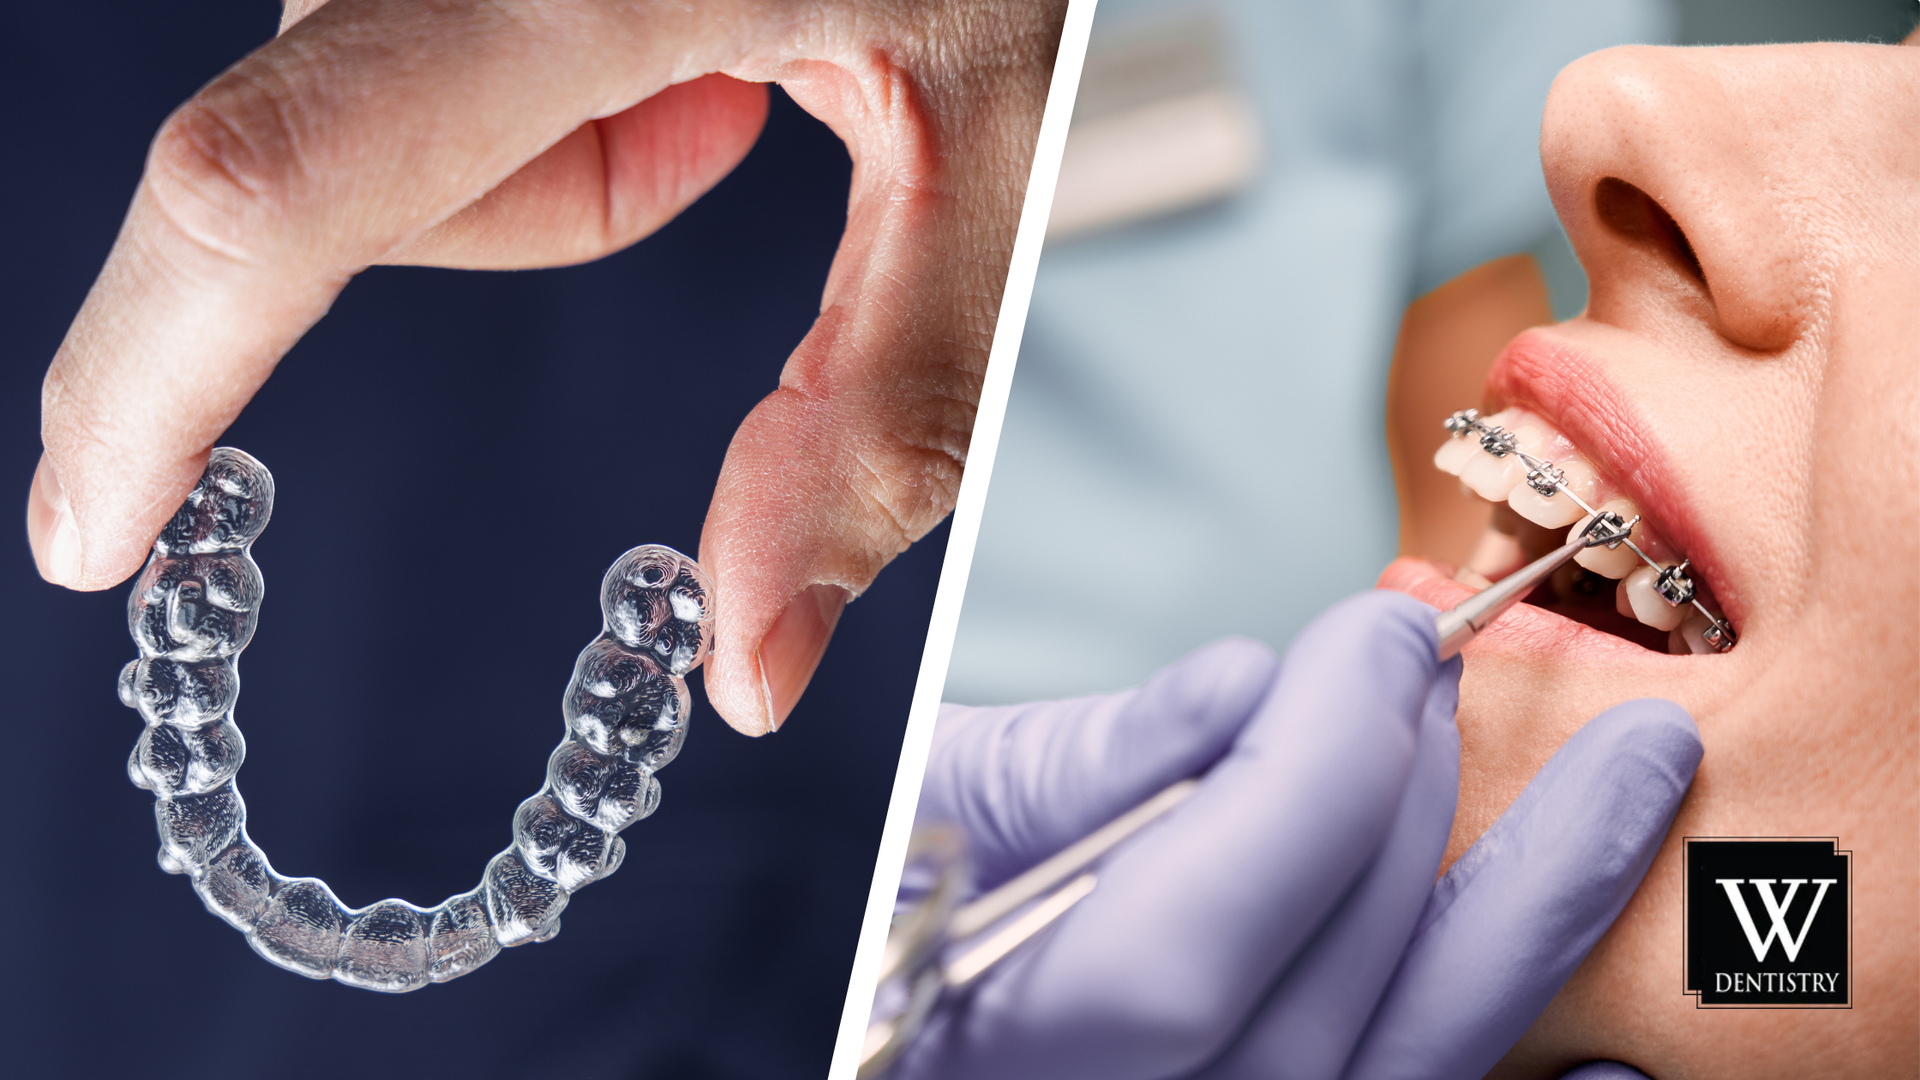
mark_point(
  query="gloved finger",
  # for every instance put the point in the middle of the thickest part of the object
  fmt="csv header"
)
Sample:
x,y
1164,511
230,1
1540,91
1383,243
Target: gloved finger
x,y
1511,920
330,148
1161,964
1309,1024
1604,1070
1025,781
860,450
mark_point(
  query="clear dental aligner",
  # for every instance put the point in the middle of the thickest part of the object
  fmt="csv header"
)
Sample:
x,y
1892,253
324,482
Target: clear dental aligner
x,y
1670,582
194,609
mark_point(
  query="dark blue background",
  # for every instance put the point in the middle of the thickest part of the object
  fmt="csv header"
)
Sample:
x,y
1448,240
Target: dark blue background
x,y
458,456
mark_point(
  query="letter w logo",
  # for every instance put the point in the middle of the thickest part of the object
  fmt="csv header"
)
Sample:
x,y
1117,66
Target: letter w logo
x,y
1776,913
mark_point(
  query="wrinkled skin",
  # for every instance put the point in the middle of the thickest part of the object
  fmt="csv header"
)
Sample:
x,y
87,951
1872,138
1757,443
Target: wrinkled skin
x,y
1767,402
530,133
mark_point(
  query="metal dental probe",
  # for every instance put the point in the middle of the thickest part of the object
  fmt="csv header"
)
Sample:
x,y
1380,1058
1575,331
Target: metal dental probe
x,y
1459,624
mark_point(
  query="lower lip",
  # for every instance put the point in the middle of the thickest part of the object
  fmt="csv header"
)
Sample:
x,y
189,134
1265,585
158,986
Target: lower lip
x,y
1523,628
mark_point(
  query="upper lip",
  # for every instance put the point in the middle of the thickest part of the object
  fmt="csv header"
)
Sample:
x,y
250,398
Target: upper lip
x,y
1546,374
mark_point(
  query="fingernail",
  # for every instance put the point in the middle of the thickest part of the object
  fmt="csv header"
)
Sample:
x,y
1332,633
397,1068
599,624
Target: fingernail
x,y
51,531
793,647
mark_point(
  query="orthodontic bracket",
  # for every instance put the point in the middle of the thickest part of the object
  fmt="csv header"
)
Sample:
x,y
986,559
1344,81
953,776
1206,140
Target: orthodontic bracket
x,y
1462,422
1498,441
1546,480
1674,585
1609,529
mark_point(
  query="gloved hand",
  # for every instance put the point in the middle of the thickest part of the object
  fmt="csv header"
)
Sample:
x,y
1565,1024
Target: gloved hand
x,y
1285,920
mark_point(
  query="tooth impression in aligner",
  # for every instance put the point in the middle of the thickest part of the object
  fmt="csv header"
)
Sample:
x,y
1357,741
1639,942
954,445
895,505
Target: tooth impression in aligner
x,y
1616,562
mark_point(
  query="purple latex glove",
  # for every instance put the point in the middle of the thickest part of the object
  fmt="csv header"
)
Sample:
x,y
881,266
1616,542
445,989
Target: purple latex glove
x,y
1257,928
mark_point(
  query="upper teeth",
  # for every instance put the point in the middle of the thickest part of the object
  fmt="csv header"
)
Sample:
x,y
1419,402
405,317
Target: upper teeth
x,y
1516,458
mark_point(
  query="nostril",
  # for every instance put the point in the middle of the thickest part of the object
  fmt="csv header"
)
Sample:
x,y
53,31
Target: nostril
x,y
1636,217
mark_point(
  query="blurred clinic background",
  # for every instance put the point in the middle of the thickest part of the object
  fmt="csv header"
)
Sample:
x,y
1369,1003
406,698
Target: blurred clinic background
x,y
1253,193
459,457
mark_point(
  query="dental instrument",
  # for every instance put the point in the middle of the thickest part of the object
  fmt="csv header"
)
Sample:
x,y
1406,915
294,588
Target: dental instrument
x,y
1458,624
920,939
1673,585
195,607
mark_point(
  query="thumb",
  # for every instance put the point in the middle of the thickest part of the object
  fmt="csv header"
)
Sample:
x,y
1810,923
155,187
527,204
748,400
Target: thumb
x,y
1025,781
859,451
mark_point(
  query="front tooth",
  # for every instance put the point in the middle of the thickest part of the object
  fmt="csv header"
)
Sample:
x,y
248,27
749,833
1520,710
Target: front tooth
x,y
1647,605
1614,563
1492,477
1558,510
1454,454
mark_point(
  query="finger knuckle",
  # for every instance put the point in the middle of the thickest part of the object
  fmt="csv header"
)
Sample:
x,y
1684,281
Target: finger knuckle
x,y
911,489
913,480
226,164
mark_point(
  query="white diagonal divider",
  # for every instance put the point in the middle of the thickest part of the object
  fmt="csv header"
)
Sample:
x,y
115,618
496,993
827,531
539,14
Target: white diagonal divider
x,y
960,540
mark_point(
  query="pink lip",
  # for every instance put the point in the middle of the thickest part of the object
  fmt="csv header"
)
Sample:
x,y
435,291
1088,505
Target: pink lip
x,y
1546,374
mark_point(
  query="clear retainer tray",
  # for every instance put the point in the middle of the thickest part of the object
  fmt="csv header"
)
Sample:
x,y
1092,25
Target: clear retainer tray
x,y
195,607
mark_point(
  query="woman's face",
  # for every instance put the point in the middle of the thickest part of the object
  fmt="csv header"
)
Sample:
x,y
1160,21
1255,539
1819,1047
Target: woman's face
x,y
1747,374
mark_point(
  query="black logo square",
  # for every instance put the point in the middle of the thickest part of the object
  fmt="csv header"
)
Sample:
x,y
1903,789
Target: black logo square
x,y
1769,923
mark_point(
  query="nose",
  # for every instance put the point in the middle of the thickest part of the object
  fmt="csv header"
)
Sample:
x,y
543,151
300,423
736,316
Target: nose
x,y
1661,163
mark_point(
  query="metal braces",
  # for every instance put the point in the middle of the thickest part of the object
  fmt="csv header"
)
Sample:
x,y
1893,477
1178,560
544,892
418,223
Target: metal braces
x,y
1609,530
1674,585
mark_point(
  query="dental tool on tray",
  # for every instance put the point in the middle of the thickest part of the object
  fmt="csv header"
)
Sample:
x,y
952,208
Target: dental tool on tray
x,y
1458,625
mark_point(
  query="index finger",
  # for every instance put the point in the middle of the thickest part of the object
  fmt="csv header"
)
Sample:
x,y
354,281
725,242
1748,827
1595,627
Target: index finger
x,y
356,131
